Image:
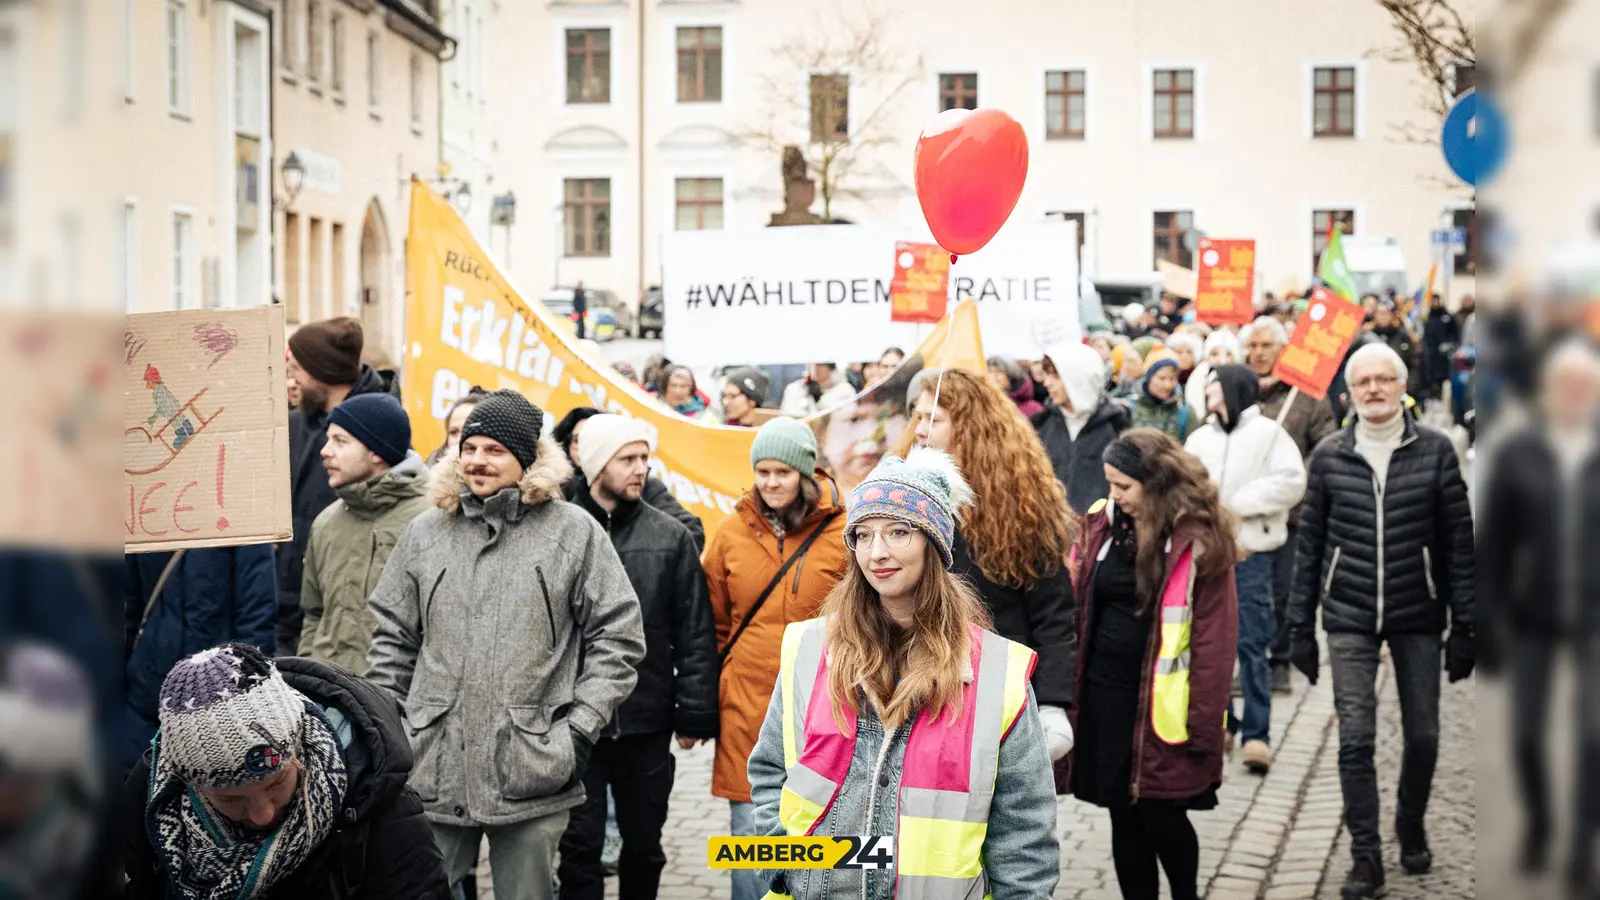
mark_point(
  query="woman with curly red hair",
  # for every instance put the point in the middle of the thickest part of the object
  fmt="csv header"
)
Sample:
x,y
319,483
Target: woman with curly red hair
x,y
1012,542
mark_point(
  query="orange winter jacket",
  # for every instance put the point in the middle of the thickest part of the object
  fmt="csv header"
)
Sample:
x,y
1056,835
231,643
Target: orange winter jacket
x,y
740,561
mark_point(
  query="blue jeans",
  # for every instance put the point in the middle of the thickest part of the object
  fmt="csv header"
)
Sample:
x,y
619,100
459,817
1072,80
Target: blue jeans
x,y
1253,579
747,884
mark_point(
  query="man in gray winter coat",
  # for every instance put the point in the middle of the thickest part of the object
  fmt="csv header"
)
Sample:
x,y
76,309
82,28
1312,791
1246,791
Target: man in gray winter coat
x,y
485,609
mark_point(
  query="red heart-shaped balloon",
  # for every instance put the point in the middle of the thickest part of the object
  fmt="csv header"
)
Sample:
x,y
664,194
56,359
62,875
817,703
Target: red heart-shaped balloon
x,y
970,167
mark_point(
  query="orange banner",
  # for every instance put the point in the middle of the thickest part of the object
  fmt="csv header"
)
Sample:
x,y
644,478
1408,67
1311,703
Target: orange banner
x,y
467,325
1225,283
921,283
1316,350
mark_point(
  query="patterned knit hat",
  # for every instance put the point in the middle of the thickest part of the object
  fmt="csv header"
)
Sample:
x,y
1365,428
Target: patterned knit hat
x,y
925,489
228,718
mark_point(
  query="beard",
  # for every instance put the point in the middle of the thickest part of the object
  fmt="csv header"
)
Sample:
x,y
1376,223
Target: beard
x,y
313,401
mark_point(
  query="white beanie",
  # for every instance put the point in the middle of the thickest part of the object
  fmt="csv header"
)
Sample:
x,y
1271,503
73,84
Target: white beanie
x,y
603,436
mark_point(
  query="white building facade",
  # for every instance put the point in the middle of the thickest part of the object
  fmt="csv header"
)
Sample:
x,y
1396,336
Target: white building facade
x,y
617,120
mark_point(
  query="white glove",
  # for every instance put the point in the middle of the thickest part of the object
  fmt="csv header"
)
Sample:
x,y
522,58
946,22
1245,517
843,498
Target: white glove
x,y
1057,731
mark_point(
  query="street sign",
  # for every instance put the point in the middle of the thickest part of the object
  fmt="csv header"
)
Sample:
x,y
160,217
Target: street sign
x,y
1474,139
1448,237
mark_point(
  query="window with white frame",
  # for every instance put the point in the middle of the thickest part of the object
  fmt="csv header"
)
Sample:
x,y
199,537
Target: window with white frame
x,y
127,50
290,33
336,54
374,64
1333,98
314,47
183,292
416,92
178,57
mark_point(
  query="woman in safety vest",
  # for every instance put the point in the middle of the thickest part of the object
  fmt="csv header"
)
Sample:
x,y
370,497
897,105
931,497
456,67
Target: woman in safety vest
x,y
1159,632
899,720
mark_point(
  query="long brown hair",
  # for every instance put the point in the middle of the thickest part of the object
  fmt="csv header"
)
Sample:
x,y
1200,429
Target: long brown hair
x,y
1176,488
902,671
1020,529
794,515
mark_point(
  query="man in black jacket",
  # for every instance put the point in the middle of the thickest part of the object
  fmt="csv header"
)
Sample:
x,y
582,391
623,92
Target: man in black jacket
x,y
677,686
1541,590
1386,548
656,492
282,780
325,361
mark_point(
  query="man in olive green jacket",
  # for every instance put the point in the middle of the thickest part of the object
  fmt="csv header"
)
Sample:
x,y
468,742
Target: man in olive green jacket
x,y
382,485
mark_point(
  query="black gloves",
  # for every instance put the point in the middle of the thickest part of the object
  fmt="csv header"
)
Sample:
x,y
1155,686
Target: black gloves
x,y
1304,653
1460,653
581,748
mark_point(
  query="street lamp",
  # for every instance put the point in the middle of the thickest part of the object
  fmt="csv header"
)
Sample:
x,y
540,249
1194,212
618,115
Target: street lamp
x,y
294,178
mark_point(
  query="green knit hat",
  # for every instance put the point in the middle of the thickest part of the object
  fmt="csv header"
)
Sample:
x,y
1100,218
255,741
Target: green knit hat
x,y
789,441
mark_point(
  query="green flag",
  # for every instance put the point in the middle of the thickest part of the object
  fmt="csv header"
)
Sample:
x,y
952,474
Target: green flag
x,y
1333,270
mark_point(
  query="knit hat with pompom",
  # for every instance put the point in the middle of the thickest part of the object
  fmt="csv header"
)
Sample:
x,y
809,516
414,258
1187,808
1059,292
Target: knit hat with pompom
x,y
925,489
228,718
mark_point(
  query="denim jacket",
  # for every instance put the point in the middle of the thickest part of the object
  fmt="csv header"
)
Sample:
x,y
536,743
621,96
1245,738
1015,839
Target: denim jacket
x,y
1021,854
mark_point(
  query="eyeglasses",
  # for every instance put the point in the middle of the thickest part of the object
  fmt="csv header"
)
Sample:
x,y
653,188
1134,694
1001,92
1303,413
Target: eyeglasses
x,y
896,536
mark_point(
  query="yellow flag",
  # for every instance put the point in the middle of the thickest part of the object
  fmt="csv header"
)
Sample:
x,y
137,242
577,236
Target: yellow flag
x,y
466,326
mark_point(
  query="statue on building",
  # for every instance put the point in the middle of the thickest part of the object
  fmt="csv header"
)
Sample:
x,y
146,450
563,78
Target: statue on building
x,y
799,191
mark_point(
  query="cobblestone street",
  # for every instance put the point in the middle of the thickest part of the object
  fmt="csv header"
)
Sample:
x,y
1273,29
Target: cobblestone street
x,y
1277,837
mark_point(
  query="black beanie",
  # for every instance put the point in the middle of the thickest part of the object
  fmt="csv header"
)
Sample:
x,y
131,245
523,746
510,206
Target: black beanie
x,y
751,382
569,423
330,350
379,422
1241,388
507,417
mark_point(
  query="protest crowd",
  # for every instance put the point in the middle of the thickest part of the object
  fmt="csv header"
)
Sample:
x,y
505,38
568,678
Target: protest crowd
x,y
1087,573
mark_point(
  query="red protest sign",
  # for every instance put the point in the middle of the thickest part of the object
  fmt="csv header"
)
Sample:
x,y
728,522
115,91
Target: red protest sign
x,y
1225,282
1315,351
921,282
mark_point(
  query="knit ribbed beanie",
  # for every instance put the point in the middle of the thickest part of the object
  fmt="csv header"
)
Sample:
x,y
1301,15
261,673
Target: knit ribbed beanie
x,y
379,422
330,350
603,436
789,441
228,718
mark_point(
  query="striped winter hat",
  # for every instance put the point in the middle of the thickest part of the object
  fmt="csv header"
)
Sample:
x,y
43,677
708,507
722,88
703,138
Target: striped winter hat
x,y
925,489
228,718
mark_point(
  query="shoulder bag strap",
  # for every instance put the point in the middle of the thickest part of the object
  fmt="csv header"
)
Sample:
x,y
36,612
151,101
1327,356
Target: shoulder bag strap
x,y
799,552
155,596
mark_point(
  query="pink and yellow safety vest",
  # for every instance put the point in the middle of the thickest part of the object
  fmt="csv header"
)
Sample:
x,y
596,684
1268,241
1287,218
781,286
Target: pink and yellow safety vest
x,y
948,777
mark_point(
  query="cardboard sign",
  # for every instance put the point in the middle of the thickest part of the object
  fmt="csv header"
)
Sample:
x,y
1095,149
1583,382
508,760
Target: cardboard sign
x,y
1225,282
466,324
921,282
1320,340
205,443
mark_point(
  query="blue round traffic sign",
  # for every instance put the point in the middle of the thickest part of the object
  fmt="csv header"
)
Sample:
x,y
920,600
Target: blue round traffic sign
x,y
1474,139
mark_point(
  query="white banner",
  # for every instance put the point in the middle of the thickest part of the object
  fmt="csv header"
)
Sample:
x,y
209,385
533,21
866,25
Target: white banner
x,y
820,293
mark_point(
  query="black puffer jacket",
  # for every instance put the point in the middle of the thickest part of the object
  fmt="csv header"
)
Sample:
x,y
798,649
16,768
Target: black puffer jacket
x,y
309,495
1077,461
1044,619
382,848
1539,522
677,686
1421,540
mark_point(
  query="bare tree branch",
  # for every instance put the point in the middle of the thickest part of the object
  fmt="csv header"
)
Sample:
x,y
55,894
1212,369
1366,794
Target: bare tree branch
x,y
859,66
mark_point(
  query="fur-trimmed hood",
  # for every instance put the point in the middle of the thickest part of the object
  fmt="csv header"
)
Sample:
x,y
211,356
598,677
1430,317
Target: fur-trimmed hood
x,y
540,483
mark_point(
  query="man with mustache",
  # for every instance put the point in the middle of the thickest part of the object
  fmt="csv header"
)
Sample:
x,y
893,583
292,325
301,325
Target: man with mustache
x,y
325,361
677,688
509,632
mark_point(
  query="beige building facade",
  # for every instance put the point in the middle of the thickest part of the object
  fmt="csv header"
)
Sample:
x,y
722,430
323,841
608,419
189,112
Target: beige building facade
x,y
143,146
618,120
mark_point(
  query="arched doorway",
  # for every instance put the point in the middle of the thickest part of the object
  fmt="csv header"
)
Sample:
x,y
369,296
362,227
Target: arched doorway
x,y
375,275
